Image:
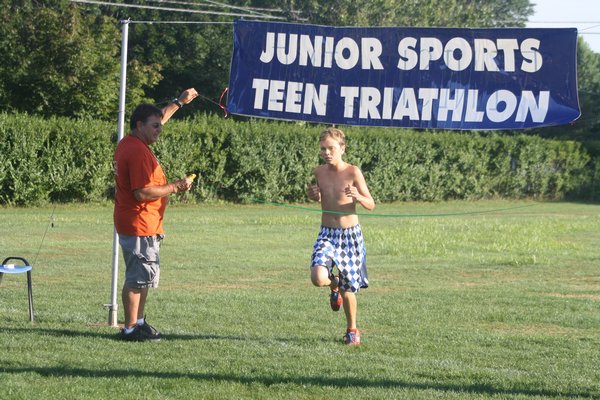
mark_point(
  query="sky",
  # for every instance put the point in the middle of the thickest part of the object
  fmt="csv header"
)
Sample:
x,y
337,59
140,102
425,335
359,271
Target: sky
x,y
581,14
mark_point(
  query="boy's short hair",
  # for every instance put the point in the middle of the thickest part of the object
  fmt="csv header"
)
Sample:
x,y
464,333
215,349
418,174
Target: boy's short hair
x,y
335,134
142,113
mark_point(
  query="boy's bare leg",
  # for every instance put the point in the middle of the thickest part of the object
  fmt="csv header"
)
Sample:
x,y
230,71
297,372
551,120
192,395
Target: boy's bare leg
x,y
349,308
319,275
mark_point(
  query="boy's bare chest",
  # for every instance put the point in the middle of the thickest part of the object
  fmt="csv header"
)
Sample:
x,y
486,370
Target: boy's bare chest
x,y
333,184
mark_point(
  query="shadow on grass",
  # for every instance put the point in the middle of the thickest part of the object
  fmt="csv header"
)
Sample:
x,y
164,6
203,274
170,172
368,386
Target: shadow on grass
x,y
54,332
166,336
113,336
62,372
482,389
199,336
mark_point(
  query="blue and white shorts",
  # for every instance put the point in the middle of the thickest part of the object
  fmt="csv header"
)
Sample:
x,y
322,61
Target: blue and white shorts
x,y
343,248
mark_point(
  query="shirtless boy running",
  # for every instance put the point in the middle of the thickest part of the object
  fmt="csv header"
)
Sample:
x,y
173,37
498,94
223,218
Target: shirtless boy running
x,y
339,186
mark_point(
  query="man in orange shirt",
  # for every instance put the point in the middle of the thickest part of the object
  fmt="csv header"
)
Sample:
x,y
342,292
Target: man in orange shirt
x,y
140,202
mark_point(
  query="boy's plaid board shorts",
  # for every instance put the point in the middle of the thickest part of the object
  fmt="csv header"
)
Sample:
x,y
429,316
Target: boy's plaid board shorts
x,y
343,248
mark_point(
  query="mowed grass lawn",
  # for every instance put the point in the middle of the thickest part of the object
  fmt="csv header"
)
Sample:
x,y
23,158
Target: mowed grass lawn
x,y
468,300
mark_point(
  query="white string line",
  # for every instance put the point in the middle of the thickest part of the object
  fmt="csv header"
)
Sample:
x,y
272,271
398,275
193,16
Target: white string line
x,y
180,22
271,10
217,4
213,5
104,3
579,31
562,22
224,5
590,27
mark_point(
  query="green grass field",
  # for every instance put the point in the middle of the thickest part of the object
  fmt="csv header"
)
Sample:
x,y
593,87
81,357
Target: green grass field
x,y
489,300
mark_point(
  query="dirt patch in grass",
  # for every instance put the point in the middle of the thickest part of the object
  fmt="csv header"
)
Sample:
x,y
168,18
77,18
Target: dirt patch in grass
x,y
532,329
225,286
575,295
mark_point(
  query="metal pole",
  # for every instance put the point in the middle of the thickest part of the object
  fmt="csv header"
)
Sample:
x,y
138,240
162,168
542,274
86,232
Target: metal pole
x,y
114,306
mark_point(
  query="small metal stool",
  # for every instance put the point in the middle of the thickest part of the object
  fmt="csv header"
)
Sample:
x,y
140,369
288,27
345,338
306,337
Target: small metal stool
x,y
6,268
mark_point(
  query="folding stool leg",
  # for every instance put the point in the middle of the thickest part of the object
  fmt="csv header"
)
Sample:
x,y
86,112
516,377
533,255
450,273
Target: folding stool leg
x,y
30,296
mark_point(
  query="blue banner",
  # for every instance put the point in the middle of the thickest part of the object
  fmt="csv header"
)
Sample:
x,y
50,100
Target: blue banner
x,y
440,78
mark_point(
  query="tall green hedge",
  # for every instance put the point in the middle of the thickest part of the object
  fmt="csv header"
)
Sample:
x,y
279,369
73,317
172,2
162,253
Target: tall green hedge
x,y
64,160
57,159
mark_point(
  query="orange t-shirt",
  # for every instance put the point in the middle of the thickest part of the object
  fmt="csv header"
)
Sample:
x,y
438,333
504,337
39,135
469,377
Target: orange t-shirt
x,y
136,167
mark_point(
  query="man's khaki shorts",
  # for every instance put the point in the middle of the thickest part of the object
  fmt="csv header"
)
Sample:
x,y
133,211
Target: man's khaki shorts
x,y
142,261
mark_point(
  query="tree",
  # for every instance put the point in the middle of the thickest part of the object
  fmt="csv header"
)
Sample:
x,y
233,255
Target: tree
x,y
588,75
199,55
587,127
412,13
63,58
186,55
59,60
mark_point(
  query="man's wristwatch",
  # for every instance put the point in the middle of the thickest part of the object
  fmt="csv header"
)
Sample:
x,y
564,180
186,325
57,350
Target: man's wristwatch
x,y
177,102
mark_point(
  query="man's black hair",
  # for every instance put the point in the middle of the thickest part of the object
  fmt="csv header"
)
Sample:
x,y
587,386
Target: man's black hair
x,y
142,113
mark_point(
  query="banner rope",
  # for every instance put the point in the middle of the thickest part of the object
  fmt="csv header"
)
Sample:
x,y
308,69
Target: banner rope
x,y
221,105
392,214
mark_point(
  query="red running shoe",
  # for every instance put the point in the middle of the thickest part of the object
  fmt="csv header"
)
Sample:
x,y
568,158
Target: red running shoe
x,y
352,337
335,300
